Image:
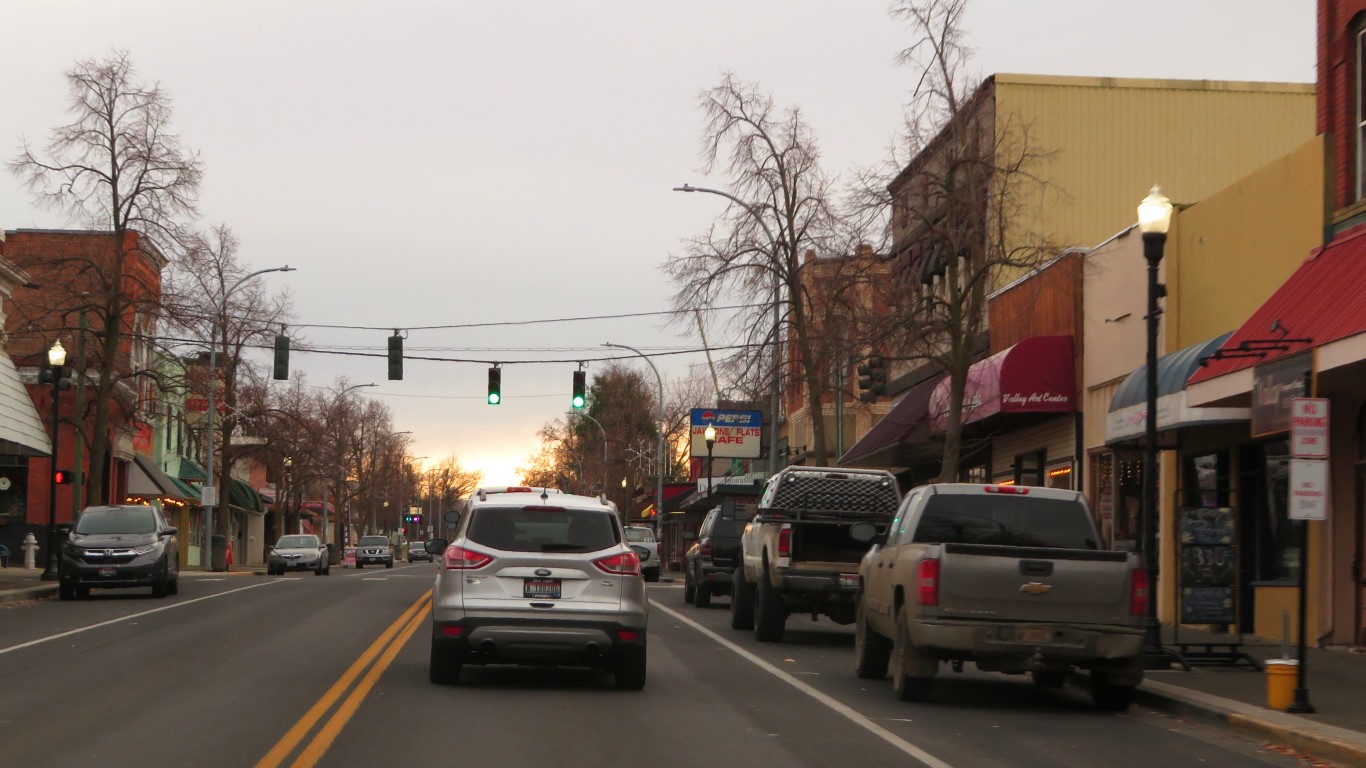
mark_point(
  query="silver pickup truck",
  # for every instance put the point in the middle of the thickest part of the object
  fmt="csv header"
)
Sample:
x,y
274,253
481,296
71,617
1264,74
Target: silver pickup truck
x,y
1010,578
800,552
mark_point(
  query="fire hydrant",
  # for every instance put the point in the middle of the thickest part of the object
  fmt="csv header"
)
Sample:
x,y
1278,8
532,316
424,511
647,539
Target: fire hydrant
x,y
30,547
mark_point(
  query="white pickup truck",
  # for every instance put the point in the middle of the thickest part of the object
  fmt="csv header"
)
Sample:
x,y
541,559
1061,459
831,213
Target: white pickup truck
x,y
801,550
1010,578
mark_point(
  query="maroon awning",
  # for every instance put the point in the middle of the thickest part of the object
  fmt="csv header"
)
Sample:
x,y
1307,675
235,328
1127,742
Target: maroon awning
x,y
1037,375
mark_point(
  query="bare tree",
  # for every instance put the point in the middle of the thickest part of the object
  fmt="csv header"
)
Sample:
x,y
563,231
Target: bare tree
x,y
118,167
761,245
959,200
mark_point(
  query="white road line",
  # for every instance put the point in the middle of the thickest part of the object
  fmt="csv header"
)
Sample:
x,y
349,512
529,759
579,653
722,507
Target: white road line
x,y
122,619
849,713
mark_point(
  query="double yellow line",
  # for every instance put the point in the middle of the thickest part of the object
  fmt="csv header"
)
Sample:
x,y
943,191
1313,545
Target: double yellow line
x,y
385,648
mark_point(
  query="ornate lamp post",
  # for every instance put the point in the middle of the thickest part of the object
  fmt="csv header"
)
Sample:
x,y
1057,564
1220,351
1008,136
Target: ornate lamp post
x,y
709,434
1154,218
659,445
54,375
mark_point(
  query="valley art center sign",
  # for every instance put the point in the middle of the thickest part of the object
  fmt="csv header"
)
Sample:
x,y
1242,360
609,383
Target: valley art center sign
x,y
739,434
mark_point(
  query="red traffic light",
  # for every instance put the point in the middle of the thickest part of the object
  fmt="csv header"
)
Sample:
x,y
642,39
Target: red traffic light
x,y
62,476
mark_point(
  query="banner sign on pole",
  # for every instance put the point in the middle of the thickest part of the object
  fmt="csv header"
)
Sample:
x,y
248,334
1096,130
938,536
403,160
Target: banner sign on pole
x,y
739,434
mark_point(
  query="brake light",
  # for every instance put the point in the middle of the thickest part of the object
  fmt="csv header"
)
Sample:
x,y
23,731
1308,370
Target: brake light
x,y
785,542
623,564
927,581
705,549
461,559
1019,490
451,631
628,635
1138,599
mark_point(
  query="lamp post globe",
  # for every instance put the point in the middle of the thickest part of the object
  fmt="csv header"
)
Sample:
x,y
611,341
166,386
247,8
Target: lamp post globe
x,y
709,434
56,359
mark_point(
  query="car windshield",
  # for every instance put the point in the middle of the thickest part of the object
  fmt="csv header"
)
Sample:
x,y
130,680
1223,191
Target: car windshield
x,y
118,520
297,542
1009,520
640,534
374,541
516,529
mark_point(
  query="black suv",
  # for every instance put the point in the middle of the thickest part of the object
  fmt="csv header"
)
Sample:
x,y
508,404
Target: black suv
x,y
129,545
714,555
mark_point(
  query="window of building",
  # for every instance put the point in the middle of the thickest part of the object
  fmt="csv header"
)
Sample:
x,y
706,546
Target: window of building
x,y
1059,475
1359,51
1103,495
1277,543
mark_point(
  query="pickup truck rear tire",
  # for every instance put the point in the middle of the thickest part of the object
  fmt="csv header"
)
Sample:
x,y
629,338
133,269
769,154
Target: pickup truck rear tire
x,y
1109,696
701,595
872,652
741,601
905,687
770,615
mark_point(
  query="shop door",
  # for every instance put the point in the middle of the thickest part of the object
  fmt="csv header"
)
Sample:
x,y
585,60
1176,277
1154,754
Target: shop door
x,y
1358,577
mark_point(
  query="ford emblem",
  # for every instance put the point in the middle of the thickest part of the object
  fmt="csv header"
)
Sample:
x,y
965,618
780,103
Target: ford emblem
x,y
542,571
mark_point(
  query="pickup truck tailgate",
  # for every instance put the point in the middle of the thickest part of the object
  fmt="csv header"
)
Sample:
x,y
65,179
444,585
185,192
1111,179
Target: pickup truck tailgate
x,y
1003,583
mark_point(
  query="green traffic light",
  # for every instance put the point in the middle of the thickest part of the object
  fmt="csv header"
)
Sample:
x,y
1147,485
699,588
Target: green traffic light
x,y
494,398
578,401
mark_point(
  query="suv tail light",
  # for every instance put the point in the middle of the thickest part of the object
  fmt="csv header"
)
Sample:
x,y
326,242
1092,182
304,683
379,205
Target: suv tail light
x,y
785,542
927,581
461,559
1138,599
623,564
1020,490
705,549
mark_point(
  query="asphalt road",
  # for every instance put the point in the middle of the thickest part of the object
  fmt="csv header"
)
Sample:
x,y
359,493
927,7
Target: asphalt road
x,y
332,671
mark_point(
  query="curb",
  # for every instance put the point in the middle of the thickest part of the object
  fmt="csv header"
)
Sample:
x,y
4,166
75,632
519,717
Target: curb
x,y
28,593
1323,741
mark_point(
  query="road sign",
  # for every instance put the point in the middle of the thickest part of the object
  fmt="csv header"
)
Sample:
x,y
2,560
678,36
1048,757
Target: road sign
x,y
1308,489
1309,428
739,434
208,495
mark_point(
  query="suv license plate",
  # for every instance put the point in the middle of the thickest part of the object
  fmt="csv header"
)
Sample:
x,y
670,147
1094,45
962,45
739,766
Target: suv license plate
x,y
541,588
1034,635
104,572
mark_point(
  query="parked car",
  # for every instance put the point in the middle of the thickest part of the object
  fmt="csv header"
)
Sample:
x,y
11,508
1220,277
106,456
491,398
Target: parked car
x,y
1011,578
127,545
300,552
540,579
374,549
417,552
714,555
642,540
800,554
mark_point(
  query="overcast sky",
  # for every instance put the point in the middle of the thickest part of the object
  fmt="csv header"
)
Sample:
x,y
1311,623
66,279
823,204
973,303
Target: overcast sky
x,y
452,163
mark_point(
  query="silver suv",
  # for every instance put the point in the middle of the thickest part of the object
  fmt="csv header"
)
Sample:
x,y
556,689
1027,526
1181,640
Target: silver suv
x,y
374,549
538,579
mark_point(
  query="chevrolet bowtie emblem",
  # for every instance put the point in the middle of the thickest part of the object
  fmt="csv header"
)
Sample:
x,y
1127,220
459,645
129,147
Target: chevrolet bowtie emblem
x,y
1035,588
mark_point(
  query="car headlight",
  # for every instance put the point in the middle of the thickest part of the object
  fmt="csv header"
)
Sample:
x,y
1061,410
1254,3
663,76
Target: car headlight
x,y
147,549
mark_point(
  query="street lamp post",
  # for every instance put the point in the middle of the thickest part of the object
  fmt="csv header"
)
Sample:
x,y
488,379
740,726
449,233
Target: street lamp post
x,y
327,531
210,491
659,447
709,434
284,506
604,454
56,359
1154,218
386,501
777,347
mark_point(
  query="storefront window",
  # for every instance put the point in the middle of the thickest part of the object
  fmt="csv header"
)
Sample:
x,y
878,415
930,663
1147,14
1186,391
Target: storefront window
x,y
1205,480
1103,495
1128,503
1279,546
13,491
1059,476
975,474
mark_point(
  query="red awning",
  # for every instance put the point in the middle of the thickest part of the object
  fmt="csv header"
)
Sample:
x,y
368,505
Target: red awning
x,y
900,425
1322,301
1036,375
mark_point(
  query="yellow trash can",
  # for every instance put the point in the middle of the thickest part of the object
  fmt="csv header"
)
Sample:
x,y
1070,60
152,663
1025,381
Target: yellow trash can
x,y
1281,677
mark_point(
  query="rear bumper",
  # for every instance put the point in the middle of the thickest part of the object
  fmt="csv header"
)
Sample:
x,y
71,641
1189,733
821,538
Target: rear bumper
x,y
1068,642
712,574
826,584
510,641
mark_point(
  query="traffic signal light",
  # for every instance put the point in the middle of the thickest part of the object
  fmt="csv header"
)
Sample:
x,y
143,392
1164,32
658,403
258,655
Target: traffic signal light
x,y
396,357
281,357
578,401
495,386
62,476
872,379
417,519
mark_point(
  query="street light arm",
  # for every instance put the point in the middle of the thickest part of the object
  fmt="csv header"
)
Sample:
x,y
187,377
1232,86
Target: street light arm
x,y
659,448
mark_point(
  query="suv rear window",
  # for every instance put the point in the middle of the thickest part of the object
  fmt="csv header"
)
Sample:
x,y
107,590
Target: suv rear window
x,y
1008,520
120,520
517,529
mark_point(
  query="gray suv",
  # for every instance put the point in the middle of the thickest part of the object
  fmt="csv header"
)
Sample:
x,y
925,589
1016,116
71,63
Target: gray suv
x,y
127,545
374,550
538,579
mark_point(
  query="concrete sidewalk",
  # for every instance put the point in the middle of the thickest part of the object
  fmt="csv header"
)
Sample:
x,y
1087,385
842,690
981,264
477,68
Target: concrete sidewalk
x,y
1230,695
